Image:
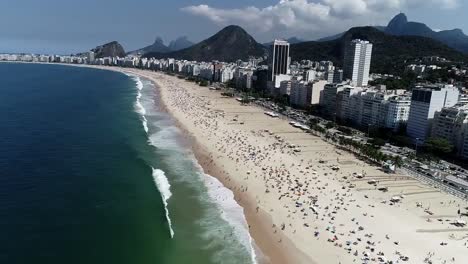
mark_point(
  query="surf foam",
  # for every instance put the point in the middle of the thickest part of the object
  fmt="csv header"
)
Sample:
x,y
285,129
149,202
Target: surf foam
x,y
164,188
231,211
139,107
165,138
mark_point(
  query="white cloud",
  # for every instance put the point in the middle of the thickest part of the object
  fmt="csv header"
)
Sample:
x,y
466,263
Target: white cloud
x,y
312,18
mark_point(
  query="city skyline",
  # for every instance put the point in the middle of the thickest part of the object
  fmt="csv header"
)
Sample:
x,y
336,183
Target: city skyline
x,y
137,26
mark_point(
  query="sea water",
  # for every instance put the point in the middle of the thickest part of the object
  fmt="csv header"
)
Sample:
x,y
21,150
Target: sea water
x,y
92,172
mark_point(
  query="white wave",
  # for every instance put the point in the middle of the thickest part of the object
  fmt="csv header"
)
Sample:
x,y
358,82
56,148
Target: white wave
x,y
231,212
138,82
138,105
145,124
166,137
164,188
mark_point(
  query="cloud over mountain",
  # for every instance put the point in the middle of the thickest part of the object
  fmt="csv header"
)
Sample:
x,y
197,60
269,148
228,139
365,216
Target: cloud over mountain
x,y
312,17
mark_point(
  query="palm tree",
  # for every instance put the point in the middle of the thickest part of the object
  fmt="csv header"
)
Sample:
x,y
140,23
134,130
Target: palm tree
x,y
397,161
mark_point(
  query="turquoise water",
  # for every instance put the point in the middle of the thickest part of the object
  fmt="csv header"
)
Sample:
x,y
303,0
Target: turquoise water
x,y
87,167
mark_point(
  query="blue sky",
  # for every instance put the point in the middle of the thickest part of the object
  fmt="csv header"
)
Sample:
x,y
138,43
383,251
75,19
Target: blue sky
x,y
67,26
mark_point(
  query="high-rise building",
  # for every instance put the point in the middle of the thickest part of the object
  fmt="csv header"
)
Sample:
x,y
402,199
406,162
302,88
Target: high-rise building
x,y
334,76
348,106
328,99
425,102
317,88
337,76
285,87
217,67
357,60
329,76
301,93
396,112
226,75
463,100
279,58
309,75
451,124
91,56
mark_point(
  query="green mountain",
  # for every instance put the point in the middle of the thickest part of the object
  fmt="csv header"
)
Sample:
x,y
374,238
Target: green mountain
x,y
230,44
400,26
111,49
180,43
157,46
389,52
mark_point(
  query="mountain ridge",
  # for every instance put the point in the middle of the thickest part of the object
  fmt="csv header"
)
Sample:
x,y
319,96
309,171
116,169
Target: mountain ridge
x,y
454,38
110,49
390,52
401,26
229,44
180,43
157,46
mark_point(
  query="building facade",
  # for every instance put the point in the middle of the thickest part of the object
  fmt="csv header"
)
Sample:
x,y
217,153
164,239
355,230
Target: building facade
x,y
328,99
396,112
425,102
301,93
451,124
357,60
279,58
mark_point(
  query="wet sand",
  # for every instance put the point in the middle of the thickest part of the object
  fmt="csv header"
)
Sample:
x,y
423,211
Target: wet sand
x,y
305,200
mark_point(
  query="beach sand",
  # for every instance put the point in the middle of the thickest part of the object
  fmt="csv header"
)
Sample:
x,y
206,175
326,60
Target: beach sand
x,y
298,207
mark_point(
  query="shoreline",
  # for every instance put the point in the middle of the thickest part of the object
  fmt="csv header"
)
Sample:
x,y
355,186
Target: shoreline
x,y
278,182
270,253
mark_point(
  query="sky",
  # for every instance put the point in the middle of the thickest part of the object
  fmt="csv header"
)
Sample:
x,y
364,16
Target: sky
x,y
71,26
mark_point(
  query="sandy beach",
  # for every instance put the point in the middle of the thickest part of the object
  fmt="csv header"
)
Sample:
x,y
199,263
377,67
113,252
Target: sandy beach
x,y
305,200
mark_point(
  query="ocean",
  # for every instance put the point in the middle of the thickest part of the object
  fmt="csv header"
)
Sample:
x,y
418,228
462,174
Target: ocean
x,y
91,171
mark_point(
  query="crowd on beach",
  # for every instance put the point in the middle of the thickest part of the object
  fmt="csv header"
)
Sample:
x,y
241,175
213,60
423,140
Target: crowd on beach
x,y
316,193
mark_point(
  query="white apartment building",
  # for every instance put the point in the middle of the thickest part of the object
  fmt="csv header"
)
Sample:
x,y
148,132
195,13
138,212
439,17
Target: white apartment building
x,y
227,74
273,87
425,101
309,75
357,61
463,99
451,123
285,88
328,99
301,93
317,88
396,112
348,106
372,108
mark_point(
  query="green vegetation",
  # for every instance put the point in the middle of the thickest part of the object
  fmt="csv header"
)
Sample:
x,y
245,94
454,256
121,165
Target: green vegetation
x,y
390,53
377,142
442,75
282,101
227,94
398,161
438,146
230,44
314,125
345,130
330,125
367,150
203,83
406,81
